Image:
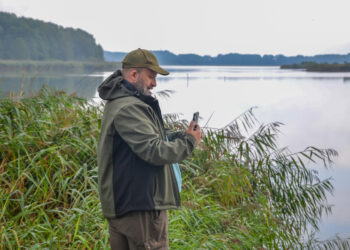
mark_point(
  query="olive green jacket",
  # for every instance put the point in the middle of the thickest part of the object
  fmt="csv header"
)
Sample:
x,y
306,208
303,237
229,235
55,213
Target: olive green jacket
x,y
134,157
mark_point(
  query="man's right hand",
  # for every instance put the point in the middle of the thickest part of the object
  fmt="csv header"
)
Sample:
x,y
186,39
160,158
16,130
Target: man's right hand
x,y
197,134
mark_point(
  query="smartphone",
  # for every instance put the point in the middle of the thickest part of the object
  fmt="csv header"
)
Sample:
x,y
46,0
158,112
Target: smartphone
x,y
195,119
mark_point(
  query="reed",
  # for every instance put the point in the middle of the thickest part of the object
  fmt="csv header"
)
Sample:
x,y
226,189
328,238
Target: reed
x,y
239,189
249,193
48,173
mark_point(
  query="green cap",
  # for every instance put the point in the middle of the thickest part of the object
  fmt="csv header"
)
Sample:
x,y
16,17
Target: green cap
x,y
141,58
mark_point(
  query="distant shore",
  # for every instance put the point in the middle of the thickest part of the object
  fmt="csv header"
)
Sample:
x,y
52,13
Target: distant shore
x,y
166,57
54,66
319,67
74,67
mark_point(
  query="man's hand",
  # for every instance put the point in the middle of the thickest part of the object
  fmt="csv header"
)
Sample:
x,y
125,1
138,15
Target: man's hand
x,y
197,134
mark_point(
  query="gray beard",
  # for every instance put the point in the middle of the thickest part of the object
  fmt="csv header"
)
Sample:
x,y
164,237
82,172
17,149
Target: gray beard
x,y
140,87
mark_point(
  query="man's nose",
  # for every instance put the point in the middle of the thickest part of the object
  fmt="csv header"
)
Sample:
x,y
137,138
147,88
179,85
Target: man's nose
x,y
154,84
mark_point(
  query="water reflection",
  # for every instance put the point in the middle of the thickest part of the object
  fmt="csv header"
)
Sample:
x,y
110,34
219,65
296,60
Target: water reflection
x,y
81,85
346,79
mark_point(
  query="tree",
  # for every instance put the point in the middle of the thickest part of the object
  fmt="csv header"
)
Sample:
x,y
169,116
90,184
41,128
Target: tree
x,y
18,49
25,38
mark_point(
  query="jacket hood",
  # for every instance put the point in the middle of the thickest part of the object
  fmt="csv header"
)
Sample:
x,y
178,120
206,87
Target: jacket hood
x,y
112,88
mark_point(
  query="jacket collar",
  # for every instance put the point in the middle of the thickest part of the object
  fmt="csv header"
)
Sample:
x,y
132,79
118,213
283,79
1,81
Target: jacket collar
x,y
151,101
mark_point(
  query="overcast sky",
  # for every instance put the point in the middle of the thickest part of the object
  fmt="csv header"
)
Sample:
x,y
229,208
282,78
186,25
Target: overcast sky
x,y
202,26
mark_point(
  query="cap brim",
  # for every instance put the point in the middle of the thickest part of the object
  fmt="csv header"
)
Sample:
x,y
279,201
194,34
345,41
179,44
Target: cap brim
x,y
159,70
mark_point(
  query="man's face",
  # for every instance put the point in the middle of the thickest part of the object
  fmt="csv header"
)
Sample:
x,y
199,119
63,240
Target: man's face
x,y
146,81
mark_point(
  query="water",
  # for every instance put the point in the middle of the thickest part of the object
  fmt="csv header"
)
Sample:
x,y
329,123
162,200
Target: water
x,y
314,107
81,85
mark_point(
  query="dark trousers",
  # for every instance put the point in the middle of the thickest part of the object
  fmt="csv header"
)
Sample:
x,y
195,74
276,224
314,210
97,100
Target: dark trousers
x,y
139,230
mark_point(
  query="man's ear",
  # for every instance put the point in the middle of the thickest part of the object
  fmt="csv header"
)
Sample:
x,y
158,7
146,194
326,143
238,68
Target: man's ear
x,y
133,75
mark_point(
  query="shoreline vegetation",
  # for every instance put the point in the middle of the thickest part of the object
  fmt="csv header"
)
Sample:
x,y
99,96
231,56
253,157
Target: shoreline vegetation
x,y
166,57
240,191
56,66
319,67
24,38
76,50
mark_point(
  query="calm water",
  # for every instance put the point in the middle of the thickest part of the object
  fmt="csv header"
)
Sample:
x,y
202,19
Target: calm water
x,y
82,85
314,107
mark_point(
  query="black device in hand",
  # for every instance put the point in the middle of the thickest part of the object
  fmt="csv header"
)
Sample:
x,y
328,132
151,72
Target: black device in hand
x,y
195,119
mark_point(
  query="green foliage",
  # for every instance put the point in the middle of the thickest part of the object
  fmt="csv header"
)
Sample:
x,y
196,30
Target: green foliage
x,y
239,190
48,173
28,39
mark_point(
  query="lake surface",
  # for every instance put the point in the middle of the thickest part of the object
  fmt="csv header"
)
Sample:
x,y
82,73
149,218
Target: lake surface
x,y
314,107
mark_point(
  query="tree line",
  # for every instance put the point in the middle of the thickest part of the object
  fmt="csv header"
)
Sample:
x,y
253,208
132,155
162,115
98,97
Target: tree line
x,y
233,59
29,39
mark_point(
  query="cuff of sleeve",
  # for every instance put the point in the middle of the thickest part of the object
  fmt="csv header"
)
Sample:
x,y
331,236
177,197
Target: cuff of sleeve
x,y
192,140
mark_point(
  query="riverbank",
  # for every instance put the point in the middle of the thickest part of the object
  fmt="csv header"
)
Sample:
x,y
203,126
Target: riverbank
x,y
55,66
319,67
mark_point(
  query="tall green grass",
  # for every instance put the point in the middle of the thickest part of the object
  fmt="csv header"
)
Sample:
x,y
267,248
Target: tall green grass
x,y
48,173
240,191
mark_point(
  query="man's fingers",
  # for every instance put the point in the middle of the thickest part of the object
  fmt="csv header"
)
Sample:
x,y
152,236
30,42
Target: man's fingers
x,y
192,125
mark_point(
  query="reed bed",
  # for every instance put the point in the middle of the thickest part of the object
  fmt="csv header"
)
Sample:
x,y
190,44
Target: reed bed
x,y
239,189
48,173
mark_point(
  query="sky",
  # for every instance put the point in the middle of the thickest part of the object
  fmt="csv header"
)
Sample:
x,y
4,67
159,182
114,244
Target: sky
x,y
204,27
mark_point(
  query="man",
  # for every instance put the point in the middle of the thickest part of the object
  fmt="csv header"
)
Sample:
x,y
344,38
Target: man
x,y
137,182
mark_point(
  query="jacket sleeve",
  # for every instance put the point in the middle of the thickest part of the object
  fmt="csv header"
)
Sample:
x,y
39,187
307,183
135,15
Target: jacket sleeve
x,y
172,135
135,124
